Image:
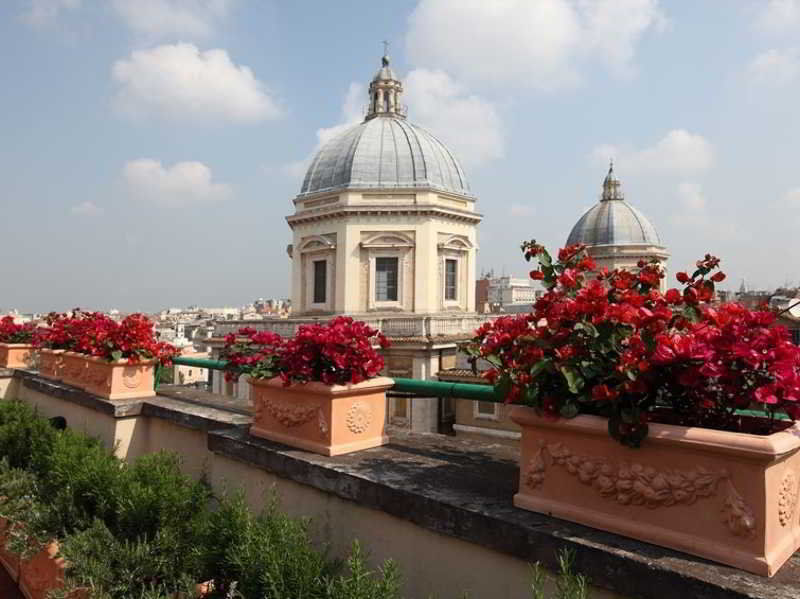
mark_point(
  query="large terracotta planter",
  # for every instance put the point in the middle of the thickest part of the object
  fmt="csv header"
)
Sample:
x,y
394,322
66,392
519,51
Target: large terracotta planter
x,y
43,573
51,363
16,355
118,380
325,419
8,559
73,368
729,497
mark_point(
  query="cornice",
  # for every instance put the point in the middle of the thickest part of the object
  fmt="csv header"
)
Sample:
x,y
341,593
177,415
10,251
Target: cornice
x,y
334,212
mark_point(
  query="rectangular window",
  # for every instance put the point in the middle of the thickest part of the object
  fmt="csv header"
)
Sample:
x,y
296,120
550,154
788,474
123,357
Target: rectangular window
x,y
400,407
450,278
386,279
320,281
485,408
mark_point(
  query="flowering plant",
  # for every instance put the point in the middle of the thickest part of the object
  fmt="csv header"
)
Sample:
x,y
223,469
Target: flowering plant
x,y
10,332
95,334
611,343
338,352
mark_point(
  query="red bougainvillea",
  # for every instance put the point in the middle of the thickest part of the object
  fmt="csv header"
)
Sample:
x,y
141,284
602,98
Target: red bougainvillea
x,y
95,334
15,333
341,351
611,343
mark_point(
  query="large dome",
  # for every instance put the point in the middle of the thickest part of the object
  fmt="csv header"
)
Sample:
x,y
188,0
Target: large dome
x,y
384,152
613,221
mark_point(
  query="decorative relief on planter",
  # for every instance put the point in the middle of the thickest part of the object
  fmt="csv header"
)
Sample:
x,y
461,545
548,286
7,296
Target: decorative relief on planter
x,y
787,498
288,413
323,425
96,375
636,484
358,417
131,377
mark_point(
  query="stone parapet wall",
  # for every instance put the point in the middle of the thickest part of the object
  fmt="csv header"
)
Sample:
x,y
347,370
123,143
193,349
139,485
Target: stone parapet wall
x,y
440,506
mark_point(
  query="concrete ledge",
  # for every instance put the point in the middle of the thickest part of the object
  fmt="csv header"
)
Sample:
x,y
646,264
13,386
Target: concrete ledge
x,y
121,408
6,373
464,489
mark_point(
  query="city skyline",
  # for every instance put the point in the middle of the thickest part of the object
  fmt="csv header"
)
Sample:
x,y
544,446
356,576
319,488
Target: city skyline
x,y
155,146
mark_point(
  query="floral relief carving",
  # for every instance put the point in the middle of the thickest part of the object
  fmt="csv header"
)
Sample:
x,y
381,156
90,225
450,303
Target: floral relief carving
x,y
358,417
323,425
131,377
787,498
637,484
289,414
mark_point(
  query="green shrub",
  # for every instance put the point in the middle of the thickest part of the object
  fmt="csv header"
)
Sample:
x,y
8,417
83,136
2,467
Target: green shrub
x,y
25,437
154,494
115,568
81,482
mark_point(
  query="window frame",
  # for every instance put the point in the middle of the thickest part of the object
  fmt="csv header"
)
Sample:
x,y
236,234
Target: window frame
x,y
315,284
387,299
454,287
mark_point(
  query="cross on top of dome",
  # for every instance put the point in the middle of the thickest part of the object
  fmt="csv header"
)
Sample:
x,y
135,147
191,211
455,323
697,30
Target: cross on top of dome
x,y
384,91
612,188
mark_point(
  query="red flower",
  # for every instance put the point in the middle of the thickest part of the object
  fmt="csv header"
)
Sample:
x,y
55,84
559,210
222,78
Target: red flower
x,y
537,275
682,277
718,277
603,393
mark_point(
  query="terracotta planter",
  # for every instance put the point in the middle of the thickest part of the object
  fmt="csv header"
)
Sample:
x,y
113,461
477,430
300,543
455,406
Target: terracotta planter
x,y
16,355
51,363
43,573
325,419
729,497
117,380
8,559
73,368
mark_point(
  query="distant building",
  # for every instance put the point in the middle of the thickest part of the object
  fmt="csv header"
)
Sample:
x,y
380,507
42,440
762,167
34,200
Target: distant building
x,y
385,230
616,234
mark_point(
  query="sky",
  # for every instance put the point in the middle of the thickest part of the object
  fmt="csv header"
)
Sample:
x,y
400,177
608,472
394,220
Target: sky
x,y
150,149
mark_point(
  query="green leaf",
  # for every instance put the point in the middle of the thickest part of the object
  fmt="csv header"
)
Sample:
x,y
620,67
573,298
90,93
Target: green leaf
x,y
531,394
494,360
544,258
116,355
574,380
588,328
569,410
539,366
503,386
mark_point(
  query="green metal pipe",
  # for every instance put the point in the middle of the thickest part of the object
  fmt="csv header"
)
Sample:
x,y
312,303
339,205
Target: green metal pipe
x,y
414,386
445,389
200,362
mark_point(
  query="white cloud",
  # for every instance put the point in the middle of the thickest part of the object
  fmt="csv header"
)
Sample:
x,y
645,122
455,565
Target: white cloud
x,y
352,113
86,209
182,82
677,152
775,67
182,183
528,43
468,123
44,12
779,16
792,198
158,18
692,204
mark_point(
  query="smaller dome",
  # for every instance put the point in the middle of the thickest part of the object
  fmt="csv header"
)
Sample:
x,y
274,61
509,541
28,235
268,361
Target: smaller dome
x,y
613,221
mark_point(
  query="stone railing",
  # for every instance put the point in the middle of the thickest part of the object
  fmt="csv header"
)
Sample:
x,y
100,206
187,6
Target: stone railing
x,y
391,326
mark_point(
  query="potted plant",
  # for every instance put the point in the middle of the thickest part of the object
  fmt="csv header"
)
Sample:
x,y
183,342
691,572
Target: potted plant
x,y
663,417
318,391
113,360
16,343
53,340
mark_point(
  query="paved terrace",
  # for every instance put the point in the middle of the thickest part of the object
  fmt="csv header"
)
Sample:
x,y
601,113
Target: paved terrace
x,y
440,506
